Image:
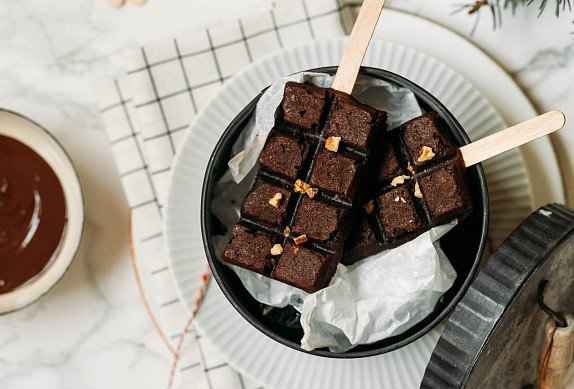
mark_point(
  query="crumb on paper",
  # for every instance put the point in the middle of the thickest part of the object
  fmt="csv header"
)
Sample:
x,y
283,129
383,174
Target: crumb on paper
x,y
410,168
287,231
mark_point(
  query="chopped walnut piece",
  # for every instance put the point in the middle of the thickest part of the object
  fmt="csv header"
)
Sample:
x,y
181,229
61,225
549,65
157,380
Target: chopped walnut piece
x,y
311,192
286,231
332,143
410,168
418,192
426,154
277,249
275,201
301,186
300,239
369,207
399,180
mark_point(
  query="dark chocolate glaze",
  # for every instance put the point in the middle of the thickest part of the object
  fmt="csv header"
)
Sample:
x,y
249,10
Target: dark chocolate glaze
x,y
32,214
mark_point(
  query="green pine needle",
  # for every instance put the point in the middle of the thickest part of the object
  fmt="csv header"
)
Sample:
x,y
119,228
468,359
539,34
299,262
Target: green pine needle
x,y
496,8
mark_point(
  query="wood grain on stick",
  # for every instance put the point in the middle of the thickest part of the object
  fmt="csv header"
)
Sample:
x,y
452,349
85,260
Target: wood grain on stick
x,y
357,45
556,358
512,137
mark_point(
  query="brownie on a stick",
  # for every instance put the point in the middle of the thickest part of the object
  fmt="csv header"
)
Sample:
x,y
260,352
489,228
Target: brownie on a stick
x,y
298,214
420,183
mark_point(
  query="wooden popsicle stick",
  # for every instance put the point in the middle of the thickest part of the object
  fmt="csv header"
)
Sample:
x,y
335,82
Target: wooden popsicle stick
x,y
357,45
512,137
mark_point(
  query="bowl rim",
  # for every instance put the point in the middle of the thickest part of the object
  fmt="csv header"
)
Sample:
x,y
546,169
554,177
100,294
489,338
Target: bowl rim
x,y
207,187
60,162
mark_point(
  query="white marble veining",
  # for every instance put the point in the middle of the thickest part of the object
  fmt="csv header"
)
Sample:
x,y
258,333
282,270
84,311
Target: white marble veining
x,y
92,331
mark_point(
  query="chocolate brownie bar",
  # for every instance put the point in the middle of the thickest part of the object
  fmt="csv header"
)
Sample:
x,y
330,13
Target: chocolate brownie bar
x,y
297,216
420,183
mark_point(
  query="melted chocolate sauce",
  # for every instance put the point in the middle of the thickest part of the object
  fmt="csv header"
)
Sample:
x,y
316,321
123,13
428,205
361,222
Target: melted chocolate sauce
x,y
32,214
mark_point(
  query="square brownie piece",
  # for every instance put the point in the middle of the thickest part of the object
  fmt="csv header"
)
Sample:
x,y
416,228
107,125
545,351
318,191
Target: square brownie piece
x,y
317,220
304,268
257,205
426,130
445,192
283,154
303,105
389,166
397,212
249,249
354,122
334,172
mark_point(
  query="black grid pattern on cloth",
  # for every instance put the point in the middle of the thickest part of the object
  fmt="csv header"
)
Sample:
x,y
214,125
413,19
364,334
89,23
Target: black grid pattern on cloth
x,y
146,113
202,359
237,48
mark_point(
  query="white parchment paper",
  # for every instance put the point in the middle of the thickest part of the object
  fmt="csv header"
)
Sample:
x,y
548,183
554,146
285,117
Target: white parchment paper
x,y
377,297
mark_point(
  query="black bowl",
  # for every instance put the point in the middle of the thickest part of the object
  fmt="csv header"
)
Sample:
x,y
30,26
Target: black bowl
x,y
464,244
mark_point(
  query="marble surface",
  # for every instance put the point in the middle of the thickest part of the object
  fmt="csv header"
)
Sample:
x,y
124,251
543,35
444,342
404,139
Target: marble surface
x,y
92,331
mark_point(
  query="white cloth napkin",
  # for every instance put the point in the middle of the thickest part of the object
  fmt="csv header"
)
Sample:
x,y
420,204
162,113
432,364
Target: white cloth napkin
x,y
146,112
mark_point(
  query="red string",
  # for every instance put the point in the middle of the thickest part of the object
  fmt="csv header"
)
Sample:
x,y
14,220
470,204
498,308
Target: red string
x,y
198,300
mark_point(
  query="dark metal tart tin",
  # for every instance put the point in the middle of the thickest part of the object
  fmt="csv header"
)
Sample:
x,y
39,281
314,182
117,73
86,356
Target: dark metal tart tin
x,y
464,245
493,337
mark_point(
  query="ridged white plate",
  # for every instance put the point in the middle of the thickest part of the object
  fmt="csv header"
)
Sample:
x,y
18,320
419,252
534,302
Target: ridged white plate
x,y
245,348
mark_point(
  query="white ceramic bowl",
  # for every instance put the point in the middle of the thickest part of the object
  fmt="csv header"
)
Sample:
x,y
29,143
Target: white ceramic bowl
x,y
42,142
